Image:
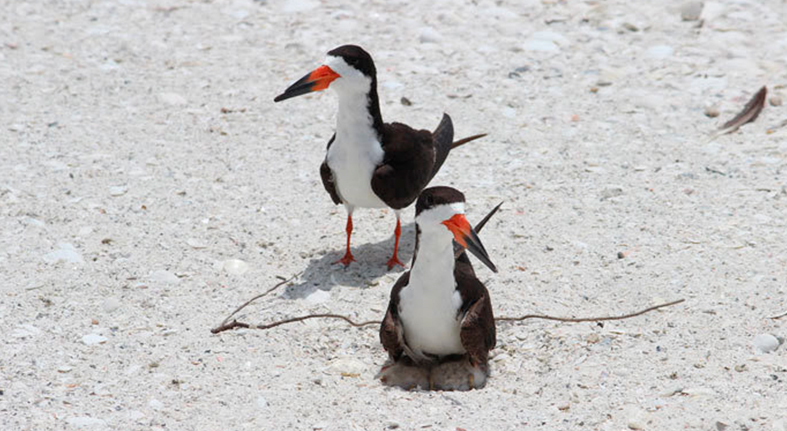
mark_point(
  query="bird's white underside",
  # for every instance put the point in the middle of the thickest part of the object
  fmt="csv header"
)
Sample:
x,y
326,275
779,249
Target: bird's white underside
x,y
356,151
428,305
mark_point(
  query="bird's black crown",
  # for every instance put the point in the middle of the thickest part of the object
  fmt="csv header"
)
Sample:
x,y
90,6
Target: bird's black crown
x,y
435,196
356,57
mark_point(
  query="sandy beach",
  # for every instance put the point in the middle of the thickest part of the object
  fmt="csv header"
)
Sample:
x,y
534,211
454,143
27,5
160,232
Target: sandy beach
x,y
149,186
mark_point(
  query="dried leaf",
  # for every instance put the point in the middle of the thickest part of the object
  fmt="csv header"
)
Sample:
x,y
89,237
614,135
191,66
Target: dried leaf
x,y
749,113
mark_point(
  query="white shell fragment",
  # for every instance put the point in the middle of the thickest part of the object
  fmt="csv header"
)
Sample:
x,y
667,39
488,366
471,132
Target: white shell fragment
x,y
765,343
235,266
93,339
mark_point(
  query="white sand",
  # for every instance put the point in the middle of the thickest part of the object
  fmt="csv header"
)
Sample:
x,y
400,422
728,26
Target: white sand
x,y
140,149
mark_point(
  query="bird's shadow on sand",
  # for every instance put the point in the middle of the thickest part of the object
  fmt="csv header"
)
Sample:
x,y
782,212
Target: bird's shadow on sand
x,y
370,264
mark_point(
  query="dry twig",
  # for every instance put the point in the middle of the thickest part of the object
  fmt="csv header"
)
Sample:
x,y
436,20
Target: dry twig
x,y
587,319
227,325
235,324
223,326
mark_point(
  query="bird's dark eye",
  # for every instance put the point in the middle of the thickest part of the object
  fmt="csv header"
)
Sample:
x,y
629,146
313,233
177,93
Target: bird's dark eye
x,y
429,200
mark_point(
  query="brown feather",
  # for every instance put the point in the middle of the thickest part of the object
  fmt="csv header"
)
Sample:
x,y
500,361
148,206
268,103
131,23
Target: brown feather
x,y
748,114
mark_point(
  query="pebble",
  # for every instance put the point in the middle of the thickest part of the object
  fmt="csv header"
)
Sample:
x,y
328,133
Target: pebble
x,y
691,11
501,358
291,6
155,404
93,339
508,112
173,99
164,277
262,402
775,101
518,72
391,425
235,266
118,190
711,111
636,418
630,27
699,392
545,41
318,297
25,331
659,52
765,343
540,45
347,366
713,10
85,421
610,192
429,35
64,369
111,304
65,253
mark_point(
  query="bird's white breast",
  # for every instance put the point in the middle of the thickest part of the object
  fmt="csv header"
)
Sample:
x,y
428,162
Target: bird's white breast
x,y
429,304
352,160
356,151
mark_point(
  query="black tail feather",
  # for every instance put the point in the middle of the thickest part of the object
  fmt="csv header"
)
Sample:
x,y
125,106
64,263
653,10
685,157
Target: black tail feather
x,y
466,140
443,137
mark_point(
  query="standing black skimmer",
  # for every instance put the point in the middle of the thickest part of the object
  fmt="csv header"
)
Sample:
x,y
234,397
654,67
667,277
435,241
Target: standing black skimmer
x,y
371,164
439,326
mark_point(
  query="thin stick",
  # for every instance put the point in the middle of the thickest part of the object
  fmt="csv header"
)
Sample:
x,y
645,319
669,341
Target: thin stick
x,y
225,326
587,319
779,316
223,323
235,324
316,316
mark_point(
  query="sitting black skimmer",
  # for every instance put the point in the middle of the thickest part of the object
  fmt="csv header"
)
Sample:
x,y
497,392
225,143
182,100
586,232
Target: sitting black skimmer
x,y
439,327
371,164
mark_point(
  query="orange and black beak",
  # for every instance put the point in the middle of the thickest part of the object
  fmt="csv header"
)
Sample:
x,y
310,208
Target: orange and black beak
x,y
465,236
318,79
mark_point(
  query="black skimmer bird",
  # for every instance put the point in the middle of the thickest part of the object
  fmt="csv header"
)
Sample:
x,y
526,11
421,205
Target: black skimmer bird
x,y
369,163
439,327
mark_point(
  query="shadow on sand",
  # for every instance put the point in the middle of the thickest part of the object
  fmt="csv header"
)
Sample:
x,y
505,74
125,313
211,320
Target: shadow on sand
x,y
369,265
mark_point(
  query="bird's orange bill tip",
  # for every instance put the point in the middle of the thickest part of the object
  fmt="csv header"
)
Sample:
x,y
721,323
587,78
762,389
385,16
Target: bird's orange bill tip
x,y
322,77
465,236
459,226
316,80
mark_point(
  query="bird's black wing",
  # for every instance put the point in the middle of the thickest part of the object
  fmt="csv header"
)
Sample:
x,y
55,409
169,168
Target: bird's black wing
x,y
391,330
327,177
407,166
478,323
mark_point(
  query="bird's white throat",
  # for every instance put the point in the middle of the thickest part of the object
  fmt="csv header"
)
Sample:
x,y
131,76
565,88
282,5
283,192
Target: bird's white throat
x,y
356,152
428,305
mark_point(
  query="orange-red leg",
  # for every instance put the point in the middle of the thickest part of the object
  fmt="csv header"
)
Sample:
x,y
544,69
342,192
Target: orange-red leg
x,y
348,256
394,260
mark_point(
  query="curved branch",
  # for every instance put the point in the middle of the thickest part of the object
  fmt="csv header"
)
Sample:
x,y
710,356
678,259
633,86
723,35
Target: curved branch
x,y
587,319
